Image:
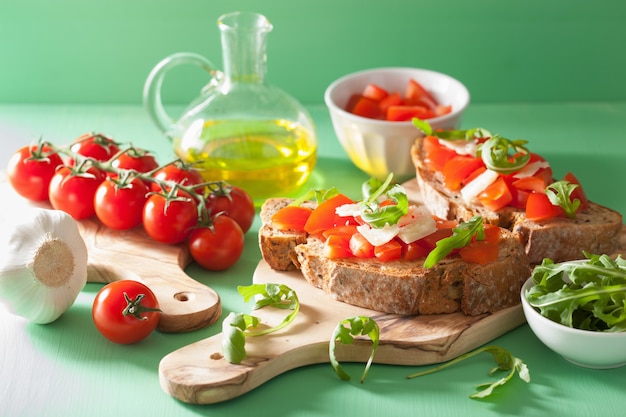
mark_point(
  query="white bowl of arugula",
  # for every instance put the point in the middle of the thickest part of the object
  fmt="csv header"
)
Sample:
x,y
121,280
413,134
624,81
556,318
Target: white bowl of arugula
x,y
577,309
371,112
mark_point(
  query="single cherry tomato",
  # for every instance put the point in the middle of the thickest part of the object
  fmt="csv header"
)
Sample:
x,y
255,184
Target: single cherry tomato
x,y
179,173
30,170
136,159
125,311
95,146
119,204
235,202
218,246
169,219
72,190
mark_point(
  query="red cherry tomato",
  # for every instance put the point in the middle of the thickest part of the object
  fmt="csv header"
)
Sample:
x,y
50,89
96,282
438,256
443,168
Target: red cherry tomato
x,y
30,170
136,159
177,173
125,311
218,247
96,146
73,191
119,205
169,219
235,203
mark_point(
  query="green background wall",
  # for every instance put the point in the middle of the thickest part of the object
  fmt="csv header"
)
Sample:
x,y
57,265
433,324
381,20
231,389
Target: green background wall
x,y
83,51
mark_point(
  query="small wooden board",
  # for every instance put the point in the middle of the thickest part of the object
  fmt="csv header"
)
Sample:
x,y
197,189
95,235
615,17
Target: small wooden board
x,y
131,254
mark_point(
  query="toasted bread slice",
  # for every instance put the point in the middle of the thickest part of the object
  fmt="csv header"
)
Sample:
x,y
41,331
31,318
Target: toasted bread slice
x,y
277,246
399,287
595,230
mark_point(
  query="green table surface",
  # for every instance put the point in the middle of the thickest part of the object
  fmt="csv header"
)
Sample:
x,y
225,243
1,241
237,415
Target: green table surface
x,y
67,369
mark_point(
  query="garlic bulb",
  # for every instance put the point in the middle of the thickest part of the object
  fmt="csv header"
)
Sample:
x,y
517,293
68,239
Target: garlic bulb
x,y
43,264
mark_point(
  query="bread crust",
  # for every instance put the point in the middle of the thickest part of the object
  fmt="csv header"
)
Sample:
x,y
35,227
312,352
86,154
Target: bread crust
x,y
400,287
595,230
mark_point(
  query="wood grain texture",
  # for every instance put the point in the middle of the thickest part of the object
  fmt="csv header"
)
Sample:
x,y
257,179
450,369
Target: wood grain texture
x,y
131,254
198,374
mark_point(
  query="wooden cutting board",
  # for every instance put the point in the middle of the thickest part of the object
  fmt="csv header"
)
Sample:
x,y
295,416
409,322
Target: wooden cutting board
x,y
198,374
114,255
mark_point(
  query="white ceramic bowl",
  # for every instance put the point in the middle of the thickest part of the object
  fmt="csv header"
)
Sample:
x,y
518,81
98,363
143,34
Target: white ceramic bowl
x,y
379,147
585,348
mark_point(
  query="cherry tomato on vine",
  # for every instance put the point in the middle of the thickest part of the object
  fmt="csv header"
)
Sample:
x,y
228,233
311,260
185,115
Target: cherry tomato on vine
x,y
96,146
72,190
125,311
136,159
178,173
218,246
235,202
169,219
30,170
119,203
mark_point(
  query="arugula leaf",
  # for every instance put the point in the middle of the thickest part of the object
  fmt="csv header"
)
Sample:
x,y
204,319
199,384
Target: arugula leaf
x,y
373,188
377,215
453,134
423,125
461,236
588,295
237,326
273,295
505,361
560,193
233,336
358,325
319,195
503,155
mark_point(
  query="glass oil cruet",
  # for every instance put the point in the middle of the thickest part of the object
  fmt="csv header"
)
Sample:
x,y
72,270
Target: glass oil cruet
x,y
240,129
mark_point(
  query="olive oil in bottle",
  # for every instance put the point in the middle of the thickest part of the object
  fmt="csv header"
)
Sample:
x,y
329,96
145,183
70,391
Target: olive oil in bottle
x,y
265,158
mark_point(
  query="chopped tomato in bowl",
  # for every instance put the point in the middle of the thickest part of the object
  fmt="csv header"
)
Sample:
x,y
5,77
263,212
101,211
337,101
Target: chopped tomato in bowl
x,y
371,112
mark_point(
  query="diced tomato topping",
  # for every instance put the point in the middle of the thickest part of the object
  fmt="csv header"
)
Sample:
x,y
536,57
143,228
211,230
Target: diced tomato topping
x,y
431,240
473,175
361,247
389,251
324,216
415,250
534,184
458,168
375,92
291,218
481,252
492,233
578,192
496,195
337,247
346,230
539,207
436,154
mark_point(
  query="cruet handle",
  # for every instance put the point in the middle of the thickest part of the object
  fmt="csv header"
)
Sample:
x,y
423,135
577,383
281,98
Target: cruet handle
x,y
152,88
